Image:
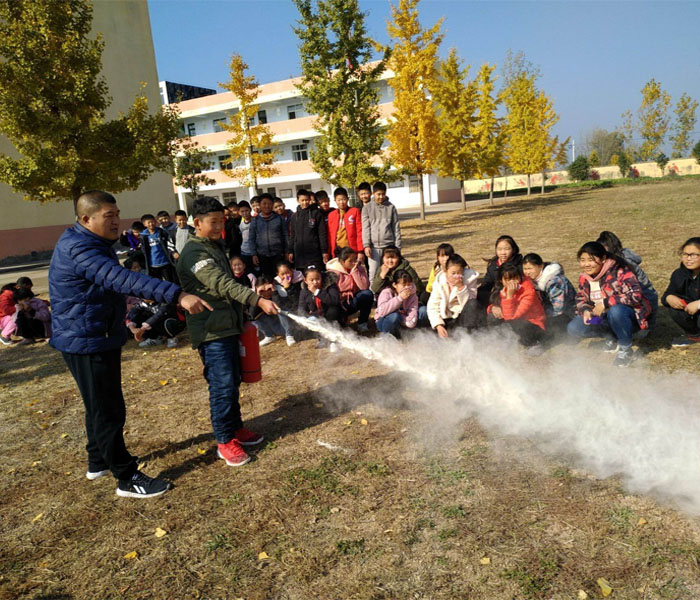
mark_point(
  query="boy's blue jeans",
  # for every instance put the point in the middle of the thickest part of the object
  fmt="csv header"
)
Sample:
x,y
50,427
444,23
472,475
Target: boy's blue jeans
x,y
222,371
618,320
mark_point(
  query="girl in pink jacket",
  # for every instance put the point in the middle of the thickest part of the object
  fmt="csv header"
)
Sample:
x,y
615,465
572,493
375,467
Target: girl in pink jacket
x,y
351,278
397,305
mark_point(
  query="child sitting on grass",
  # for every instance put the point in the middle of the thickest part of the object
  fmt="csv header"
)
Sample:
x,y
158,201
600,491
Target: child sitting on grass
x,y
240,272
204,267
556,291
353,284
269,325
393,261
506,251
682,296
286,295
150,323
452,302
397,306
609,302
320,298
444,251
520,305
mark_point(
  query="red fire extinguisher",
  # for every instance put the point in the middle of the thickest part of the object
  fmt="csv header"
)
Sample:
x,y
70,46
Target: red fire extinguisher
x,y
250,354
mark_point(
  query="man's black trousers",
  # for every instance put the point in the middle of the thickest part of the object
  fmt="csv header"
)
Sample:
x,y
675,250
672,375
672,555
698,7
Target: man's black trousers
x,y
99,380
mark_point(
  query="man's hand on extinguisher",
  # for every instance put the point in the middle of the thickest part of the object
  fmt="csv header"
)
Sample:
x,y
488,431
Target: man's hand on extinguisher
x,y
268,307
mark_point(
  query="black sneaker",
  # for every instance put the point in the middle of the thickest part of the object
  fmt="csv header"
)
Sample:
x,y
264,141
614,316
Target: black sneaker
x,y
95,472
610,345
142,486
625,357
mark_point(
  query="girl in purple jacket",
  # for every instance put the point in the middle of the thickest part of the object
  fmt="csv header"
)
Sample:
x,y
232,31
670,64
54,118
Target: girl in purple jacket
x,y
397,305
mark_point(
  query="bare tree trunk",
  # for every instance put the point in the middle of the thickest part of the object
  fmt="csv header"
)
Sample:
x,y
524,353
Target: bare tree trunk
x,y
464,196
422,205
543,178
505,189
491,191
528,184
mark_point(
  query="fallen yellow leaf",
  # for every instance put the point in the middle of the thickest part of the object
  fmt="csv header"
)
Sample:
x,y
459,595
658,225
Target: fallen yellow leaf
x,y
318,405
364,422
160,532
67,473
582,595
64,436
263,556
354,372
35,463
347,423
201,451
485,561
35,519
605,588
131,555
335,509
174,380
163,382
642,521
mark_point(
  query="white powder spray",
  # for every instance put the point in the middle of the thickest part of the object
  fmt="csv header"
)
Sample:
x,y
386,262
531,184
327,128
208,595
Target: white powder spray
x,y
639,424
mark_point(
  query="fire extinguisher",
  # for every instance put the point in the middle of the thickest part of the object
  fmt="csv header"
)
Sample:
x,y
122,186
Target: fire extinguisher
x,y
250,354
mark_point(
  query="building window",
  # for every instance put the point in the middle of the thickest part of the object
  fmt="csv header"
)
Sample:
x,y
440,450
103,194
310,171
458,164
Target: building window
x,y
303,186
300,152
225,162
294,111
229,197
396,184
262,116
272,191
191,129
286,193
413,183
218,124
267,151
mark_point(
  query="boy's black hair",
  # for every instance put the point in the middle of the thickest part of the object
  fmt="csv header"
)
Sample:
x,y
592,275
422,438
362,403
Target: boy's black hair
x,y
284,263
262,280
321,194
379,186
137,257
267,196
456,260
533,259
401,275
303,192
310,269
277,199
364,186
25,282
345,252
391,249
254,199
341,191
163,213
137,226
204,205
146,217
243,204
180,213
232,204
23,294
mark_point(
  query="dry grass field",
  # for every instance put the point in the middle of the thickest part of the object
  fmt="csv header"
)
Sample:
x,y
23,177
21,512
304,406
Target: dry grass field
x,y
388,512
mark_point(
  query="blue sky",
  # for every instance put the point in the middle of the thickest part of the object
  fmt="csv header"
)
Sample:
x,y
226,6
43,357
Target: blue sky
x,y
594,57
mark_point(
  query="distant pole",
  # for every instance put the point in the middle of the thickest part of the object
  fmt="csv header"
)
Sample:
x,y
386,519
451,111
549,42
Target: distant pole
x,y
573,150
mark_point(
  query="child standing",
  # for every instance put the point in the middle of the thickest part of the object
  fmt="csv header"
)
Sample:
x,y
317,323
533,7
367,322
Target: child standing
x,y
247,236
324,205
520,305
232,230
157,254
131,239
308,237
203,266
364,193
397,306
609,302
344,225
353,285
453,300
393,261
682,296
380,227
319,298
286,214
558,294
181,233
271,237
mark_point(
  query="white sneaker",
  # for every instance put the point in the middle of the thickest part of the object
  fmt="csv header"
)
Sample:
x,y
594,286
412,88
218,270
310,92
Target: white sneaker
x,y
92,475
333,348
266,340
362,328
171,343
290,340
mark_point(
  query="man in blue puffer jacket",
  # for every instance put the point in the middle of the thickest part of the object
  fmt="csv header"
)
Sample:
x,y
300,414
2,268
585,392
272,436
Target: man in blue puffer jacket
x,y
87,287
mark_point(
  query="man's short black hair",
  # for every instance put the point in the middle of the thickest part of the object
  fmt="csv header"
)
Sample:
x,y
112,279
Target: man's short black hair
x,y
379,186
364,186
341,191
255,199
266,196
232,204
147,216
180,213
206,204
243,204
163,213
321,194
88,203
137,226
303,192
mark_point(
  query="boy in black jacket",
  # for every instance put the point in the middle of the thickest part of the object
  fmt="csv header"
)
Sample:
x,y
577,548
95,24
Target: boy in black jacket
x,y
682,297
320,298
308,237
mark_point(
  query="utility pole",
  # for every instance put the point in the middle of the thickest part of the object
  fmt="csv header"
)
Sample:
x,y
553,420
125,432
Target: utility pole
x,y
573,150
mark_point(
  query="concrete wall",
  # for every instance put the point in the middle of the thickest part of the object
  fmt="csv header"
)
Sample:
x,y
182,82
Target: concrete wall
x,y
683,166
128,59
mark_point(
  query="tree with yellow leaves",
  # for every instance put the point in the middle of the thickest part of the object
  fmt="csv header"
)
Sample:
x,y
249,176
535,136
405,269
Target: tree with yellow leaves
x,y
249,144
413,133
455,100
489,134
684,125
653,119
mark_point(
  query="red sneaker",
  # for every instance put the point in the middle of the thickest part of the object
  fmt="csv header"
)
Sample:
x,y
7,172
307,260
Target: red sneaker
x,y
245,437
232,453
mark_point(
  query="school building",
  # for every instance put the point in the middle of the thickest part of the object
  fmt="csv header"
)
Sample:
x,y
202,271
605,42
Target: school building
x,y
281,107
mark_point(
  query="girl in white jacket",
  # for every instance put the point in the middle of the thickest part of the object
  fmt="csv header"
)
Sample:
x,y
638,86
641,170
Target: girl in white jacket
x,y
452,302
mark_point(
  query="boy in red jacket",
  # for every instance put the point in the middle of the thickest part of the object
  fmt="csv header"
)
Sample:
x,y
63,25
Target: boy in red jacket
x,y
344,225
